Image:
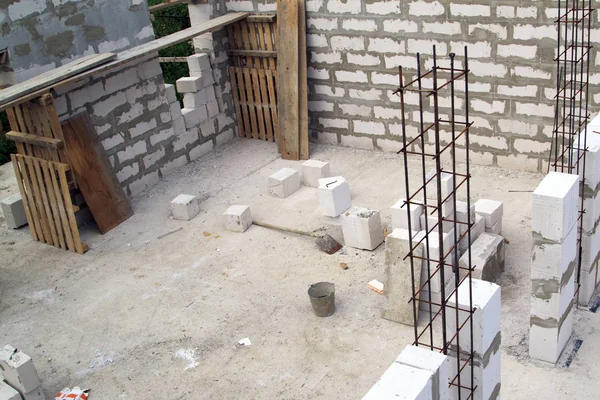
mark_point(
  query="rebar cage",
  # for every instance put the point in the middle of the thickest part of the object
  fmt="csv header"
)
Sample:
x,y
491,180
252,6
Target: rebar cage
x,y
441,142
571,116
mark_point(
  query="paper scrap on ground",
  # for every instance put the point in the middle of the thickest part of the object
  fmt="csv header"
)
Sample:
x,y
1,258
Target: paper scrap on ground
x,y
245,342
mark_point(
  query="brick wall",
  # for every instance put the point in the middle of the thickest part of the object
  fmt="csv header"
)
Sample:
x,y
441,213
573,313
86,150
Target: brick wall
x,y
355,47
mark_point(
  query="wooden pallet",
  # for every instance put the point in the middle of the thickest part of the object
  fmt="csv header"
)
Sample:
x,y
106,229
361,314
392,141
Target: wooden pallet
x,y
47,202
253,76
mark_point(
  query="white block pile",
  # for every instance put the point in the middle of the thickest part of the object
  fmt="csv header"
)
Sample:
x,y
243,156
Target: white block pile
x,y
554,261
486,337
21,380
199,99
590,276
417,374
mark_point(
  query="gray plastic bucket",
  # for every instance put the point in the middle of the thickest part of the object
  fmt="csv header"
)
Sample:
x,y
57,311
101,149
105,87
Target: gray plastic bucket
x,y
322,298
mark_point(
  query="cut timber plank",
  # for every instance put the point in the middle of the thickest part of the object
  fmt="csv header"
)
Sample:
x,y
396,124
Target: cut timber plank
x,y
261,18
35,140
302,82
137,52
172,59
166,4
287,82
252,53
48,78
94,175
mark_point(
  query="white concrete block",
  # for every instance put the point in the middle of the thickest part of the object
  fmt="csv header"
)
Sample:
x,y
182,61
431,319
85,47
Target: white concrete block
x,y
447,184
179,126
8,393
548,337
400,381
486,318
213,109
463,216
551,297
194,100
171,93
362,228
495,229
490,210
284,182
399,281
432,221
334,196
199,62
555,258
189,84
18,369
313,170
190,117
185,207
435,254
436,297
476,230
487,258
433,361
555,206
400,216
14,212
237,218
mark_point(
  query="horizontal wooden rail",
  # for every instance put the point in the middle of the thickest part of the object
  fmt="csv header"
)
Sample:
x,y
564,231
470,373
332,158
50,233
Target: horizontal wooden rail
x,y
252,53
36,140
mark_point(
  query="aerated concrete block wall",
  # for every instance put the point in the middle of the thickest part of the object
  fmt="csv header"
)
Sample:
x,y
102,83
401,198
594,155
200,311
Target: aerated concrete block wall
x,y
44,34
355,47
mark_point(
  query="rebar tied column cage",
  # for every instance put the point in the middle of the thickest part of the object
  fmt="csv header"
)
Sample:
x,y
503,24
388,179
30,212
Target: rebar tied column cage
x,y
445,323
569,144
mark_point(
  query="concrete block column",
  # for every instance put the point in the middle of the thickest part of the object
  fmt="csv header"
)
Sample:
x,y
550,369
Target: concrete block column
x,y
486,337
435,362
553,264
589,279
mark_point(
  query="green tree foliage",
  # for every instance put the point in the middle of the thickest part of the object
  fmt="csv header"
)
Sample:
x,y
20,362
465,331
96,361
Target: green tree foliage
x,y
170,20
7,147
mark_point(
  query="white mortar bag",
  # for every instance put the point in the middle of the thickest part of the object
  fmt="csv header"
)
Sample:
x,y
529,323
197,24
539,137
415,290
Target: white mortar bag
x,y
72,394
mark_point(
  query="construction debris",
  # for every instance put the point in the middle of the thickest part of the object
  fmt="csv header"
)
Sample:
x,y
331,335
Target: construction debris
x,y
245,342
75,393
375,286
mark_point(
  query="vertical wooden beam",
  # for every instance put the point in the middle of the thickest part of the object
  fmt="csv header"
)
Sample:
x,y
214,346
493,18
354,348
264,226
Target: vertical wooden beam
x,y
302,82
287,82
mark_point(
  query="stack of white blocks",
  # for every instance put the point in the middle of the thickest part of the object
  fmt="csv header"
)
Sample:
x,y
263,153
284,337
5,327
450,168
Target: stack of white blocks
x,y
20,375
589,278
486,337
199,99
492,212
554,261
417,374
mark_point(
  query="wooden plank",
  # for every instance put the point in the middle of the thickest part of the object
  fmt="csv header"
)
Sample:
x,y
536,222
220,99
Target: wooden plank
x,y
258,104
53,204
24,196
253,53
302,82
236,101
51,77
243,101
166,4
273,102
61,201
265,104
261,18
269,44
56,128
35,139
64,185
287,82
37,199
135,53
45,200
94,174
172,59
250,100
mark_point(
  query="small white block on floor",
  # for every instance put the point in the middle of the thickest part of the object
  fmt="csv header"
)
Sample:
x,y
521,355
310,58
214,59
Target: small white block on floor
x,y
362,228
14,212
18,369
555,206
185,207
401,381
284,182
400,216
189,84
334,196
313,170
8,393
433,361
490,210
237,218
